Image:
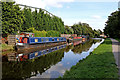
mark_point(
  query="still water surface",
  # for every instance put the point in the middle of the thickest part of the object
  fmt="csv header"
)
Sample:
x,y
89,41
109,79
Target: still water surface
x,y
51,65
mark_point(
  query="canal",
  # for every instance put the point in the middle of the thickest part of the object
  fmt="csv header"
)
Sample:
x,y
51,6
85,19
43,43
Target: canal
x,y
50,65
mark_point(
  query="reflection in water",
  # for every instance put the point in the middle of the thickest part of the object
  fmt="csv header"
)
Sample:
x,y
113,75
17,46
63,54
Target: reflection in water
x,y
84,46
32,67
40,53
51,65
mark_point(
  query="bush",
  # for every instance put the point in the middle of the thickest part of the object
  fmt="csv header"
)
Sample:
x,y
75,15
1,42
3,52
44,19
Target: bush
x,y
39,33
43,33
52,33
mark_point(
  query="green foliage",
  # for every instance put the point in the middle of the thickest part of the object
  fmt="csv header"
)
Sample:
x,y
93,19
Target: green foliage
x,y
45,33
28,22
83,29
100,32
68,30
96,65
7,47
96,33
31,29
53,33
42,21
12,18
112,28
40,33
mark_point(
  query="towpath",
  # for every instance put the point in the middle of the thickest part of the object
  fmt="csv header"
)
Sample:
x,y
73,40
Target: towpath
x,y
116,52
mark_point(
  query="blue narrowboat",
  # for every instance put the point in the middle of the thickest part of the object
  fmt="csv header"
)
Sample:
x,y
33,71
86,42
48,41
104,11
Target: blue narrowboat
x,y
35,40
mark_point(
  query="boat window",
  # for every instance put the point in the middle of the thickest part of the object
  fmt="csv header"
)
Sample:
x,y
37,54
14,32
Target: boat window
x,y
52,39
47,39
36,40
47,50
36,53
57,39
42,40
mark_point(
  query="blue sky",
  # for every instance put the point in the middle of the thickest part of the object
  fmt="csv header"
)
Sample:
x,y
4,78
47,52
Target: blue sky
x,y
73,11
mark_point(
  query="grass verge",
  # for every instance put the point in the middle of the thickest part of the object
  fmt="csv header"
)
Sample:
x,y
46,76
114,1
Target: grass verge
x,y
7,48
99,64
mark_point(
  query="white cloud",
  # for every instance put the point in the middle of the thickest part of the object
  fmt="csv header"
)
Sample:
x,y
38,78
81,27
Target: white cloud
x,y
57,69
56,3
47,8
94,23
97,0
33,3
44,3
68,7
57,13
96,17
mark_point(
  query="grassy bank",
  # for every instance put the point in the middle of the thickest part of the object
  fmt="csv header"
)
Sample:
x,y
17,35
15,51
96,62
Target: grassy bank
x,y
6,49
99,64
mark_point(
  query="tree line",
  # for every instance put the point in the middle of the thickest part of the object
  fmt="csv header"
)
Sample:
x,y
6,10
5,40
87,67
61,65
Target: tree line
x,y
82,29
112,26
14,19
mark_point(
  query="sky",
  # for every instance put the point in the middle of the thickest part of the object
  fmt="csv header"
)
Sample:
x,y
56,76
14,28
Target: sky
x,y
93,12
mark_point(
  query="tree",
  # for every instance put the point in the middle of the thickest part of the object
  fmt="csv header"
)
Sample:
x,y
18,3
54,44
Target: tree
x,y
100,32
83,29
28,22
112,27
68,30
12,18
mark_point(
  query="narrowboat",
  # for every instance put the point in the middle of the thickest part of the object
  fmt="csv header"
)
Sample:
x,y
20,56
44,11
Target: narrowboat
x,y
29,44
38,40
77,38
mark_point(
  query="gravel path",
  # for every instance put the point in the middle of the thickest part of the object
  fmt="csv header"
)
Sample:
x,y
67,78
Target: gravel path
x,y
116,52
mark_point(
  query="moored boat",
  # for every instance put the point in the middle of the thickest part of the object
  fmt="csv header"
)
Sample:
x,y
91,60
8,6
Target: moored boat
x,y
27,43
77,38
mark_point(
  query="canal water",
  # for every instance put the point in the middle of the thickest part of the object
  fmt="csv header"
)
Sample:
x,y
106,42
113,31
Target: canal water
x,y
50,65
